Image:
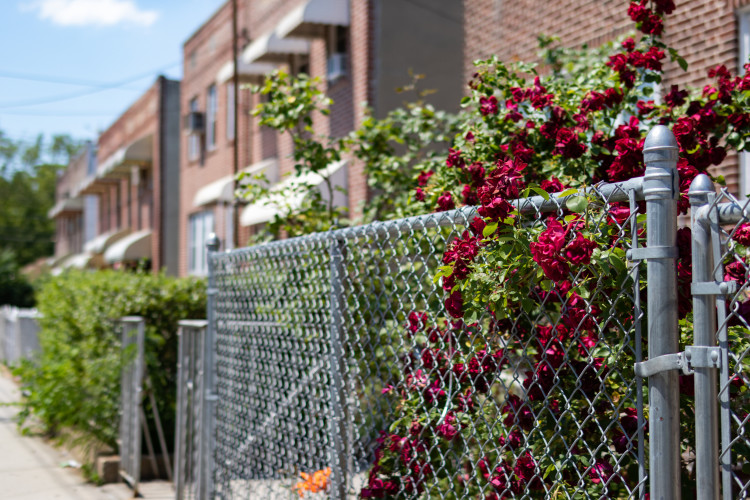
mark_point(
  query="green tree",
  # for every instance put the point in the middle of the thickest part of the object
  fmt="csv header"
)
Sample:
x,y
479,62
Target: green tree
x,y
28,173
396,151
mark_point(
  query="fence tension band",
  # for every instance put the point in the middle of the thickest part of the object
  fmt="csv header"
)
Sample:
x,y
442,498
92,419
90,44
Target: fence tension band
x,y
714,288
646,253
693,357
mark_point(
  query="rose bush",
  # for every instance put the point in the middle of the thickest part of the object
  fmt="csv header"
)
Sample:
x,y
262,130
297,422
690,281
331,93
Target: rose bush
x,y
526,387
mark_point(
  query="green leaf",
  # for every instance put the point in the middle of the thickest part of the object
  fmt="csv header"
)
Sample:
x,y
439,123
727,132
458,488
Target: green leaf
x,y
489,229
683,63
567,192
541,192
577,203
617,263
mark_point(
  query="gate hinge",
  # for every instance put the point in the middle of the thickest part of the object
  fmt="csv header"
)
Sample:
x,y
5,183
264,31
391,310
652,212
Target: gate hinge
x,y
713,288
646,253
693,357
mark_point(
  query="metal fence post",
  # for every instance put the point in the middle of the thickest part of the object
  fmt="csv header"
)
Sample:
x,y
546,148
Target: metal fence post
x,y
208,396
338,422
131,387
704,325
661,189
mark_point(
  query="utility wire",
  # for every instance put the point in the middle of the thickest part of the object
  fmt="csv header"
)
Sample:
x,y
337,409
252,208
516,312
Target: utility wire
x,y
58,113
65,97
57,79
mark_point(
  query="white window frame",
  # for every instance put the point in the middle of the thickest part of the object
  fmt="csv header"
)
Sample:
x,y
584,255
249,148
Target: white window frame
x,y
743,22
211,108
231,128
200,225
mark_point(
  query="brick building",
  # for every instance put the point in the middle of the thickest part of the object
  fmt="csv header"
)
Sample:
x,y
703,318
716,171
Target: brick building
x,y
706,33
357,48
149,173
75,215
136,181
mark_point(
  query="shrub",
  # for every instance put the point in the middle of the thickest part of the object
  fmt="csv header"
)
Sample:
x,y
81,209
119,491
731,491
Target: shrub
x,y
75,382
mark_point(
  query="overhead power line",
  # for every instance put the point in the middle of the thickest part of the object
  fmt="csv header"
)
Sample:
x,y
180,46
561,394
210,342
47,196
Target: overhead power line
x,y
65,97
58,113
57,79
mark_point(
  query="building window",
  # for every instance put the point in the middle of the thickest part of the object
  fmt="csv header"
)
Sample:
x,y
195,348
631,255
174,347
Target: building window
x,y
336,49
194,144
744,55
230,111
200,226
193,59
211,118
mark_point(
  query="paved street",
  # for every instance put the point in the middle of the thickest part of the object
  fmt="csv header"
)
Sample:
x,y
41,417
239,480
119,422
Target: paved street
x,y
30,468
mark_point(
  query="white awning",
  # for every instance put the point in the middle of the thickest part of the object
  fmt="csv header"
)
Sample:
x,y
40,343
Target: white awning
x,y
66,205
77,261
248,72
272,48
100,243
276,203
80,261
309,19
222,189
133,247
136,153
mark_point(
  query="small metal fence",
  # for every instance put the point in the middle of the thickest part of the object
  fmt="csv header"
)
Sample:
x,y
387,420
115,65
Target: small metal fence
x,y
135,386
132,333
19,334
190,464
311,331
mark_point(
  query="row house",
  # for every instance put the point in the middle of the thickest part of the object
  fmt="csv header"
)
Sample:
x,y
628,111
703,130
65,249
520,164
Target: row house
x,y
162,177
132,182
75,216
362,50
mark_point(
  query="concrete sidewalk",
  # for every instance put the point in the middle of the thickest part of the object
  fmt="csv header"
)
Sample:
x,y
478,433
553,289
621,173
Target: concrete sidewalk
x,y
31,469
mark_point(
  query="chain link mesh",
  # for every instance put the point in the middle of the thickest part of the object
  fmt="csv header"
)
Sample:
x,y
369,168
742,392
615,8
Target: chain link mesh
x,y
328,345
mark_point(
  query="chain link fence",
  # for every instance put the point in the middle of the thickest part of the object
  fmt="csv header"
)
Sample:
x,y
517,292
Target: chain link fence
x,y
322,340
19,334
333,366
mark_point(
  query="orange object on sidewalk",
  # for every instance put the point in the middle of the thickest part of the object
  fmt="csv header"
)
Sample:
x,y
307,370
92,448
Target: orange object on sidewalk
x,y
314,483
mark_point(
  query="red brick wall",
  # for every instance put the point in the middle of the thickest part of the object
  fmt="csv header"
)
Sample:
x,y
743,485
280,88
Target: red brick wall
x,y
212,46
361,50
703,31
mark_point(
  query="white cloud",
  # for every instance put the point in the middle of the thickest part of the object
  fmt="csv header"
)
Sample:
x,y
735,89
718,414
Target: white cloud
x,y
93,12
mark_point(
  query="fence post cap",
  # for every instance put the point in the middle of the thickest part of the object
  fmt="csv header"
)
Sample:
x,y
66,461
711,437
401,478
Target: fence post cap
x,y
701,185
660,137
213,242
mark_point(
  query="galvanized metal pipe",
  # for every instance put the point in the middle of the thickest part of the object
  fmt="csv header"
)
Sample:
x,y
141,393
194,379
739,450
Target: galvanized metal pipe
x,y
661,190
205,478
704,327
338,422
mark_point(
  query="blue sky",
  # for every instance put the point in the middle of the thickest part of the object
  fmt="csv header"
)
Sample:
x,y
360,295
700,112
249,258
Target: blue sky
x,y
106,53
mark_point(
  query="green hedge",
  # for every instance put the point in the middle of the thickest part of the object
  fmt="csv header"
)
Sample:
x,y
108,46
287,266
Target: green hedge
x,y
75,381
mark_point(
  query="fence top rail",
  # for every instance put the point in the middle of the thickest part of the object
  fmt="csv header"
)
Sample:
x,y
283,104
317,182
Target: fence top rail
x,y
192,323
611,192
130,319
732,212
